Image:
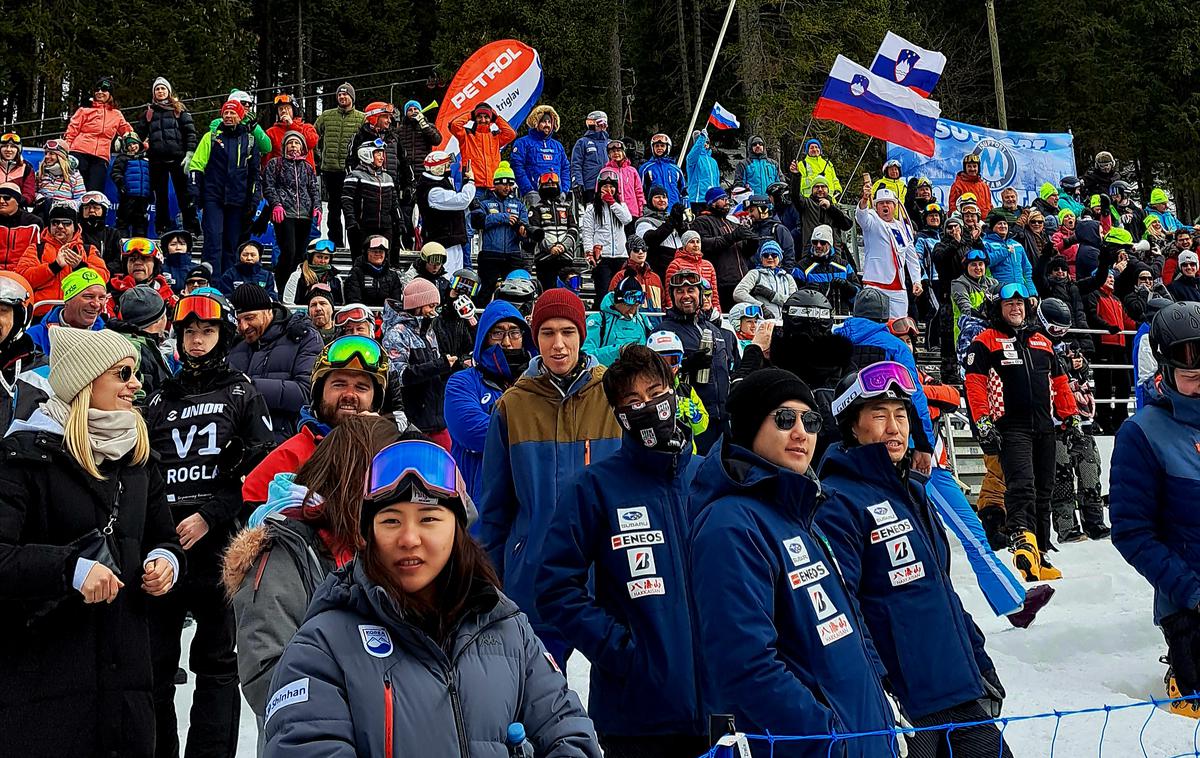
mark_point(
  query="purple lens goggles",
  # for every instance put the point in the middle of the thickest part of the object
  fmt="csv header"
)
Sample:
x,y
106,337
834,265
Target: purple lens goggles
x,y
426,463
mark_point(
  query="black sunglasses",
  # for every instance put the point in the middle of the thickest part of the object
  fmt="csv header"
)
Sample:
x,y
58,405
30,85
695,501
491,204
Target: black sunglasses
x,y
785,419
125,373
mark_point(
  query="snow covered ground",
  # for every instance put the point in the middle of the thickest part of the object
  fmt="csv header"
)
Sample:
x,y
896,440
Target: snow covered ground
x,y
1094,644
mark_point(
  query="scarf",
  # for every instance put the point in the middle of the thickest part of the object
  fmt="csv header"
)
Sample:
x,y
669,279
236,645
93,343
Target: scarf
x,y
111,434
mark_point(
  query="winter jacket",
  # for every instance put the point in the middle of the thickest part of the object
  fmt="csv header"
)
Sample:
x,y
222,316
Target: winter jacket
x,y
949,258
40,332
416,141
21,173
395,160
1105,311
500,236
588,156
471,394
967,296
1067,291
256,131
81,683
55,188
1087,255
1185,288
242,273
171,135
689,330
811,168
651,284
662,172
887,250
615,583
443,209
369,198
553,222
783,646
1028,392
832,276
292,183
1152,485
702,171
630,183
229,159
481,149
771,229
25,372
280,365
1170,222
813,215
536,154
894,557
964,184
17,233
39,268
152,368
863,331
538,438
284,459
131,175
335,129
777,281
270,573
92,129
370,286
608,331
360,679
295,290
280,130
684,261
607,230
1008,262
730,246
418,365
757,172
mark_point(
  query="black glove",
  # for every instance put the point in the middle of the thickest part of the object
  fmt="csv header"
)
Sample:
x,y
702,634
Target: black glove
x,y
1182,630
993,693
989,436
677,216
744,233
1114,329
695,361
762,292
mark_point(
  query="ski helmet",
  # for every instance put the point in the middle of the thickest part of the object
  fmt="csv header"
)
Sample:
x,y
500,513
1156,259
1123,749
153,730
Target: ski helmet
x,y
465,280
668,345
885,380
522,293
807,312
16,293
207,305
1175,338
352,353
1055,317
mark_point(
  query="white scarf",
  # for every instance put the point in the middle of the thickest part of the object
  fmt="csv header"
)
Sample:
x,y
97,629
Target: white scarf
x,y
111,434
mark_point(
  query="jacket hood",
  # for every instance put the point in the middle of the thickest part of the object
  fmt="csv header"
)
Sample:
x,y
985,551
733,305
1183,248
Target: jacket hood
x,y
536,378
733,471
858,330
240,556
1184,409
689,257
38,421
536,114
491,357
1087,231
393,313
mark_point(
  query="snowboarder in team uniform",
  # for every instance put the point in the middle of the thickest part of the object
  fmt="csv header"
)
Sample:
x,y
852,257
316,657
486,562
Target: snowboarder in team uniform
x,y
208,425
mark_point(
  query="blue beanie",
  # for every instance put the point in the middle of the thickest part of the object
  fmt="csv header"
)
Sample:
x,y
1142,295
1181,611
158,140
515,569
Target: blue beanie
x,y
411,104
714,194
813,141
769,246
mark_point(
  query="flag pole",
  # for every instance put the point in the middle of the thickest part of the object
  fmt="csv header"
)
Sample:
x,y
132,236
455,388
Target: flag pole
x,y
712,63
854,170
803,139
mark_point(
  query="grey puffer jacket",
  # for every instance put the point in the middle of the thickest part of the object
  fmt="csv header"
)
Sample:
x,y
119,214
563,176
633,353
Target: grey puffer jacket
x,y
355,661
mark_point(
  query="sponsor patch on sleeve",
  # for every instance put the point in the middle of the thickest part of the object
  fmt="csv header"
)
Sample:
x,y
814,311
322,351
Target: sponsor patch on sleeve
x,y
889,531
834,629
796,550
291,693
902,576
814,572
882,513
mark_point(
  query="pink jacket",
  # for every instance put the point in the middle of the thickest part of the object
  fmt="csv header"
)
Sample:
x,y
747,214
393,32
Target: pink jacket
x,y
631,186
92,130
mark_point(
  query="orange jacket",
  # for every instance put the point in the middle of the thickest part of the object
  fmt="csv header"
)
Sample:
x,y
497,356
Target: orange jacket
x,y
280,130
983,193
45,276
683,261
482,149
92,130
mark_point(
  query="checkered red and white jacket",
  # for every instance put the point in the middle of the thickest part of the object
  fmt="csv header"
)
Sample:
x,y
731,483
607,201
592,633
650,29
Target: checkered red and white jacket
x,y
1017,380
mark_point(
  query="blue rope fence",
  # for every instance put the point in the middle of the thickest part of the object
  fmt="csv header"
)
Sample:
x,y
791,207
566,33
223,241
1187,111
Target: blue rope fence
x,y
1001,724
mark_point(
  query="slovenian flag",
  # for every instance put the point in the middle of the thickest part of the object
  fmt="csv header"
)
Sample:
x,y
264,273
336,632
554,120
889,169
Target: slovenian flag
x,y
900,61
721,118
872,105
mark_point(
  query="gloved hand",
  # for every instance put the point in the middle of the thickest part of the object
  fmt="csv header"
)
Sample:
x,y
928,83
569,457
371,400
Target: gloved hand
x,y
317,216
1074,427
1114,329
901,723
688,410
744,233
695,361
993,694
187,158
277,214
762,292
677,215
989,436
494,128
422,122
609,199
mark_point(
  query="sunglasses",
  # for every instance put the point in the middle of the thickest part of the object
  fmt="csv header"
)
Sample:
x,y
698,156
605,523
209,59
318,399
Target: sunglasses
x,y
769,255
61,222
785,419
124,373
344,317
499,335
354,351
1036,223
10,138
200,306
426,463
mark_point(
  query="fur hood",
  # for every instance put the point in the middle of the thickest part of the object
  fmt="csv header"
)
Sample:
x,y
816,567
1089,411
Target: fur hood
x,y
240,556
536,114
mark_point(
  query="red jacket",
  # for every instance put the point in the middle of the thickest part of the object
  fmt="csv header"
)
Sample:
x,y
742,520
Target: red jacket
x,y
92,130
285,459
1110,312
280,130
45,276
983,193
1017,380
17,233
683,261
119,285
649,280
481,148
22,175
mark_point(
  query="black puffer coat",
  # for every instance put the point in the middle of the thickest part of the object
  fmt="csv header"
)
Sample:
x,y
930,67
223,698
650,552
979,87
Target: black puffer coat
x,y
170,136
280,365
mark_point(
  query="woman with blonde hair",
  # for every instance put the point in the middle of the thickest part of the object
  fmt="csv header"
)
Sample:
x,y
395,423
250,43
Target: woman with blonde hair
x,y
58,179
85,537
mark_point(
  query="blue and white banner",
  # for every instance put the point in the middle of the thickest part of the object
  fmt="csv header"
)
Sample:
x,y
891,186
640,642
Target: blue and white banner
x,y
902,62
1021,160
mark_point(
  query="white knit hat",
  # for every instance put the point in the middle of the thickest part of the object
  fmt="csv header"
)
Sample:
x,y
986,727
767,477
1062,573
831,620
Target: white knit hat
x,y
78,356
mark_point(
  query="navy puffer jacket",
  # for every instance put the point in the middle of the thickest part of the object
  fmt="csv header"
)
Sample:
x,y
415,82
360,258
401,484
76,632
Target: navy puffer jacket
x,y
171,136
280,365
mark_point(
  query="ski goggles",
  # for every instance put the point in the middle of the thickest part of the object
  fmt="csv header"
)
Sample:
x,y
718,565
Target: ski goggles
x,y
462,284
786,418
933,208
805,311
352,313
876,380
1184,355
573,282
976,255
412,461
904,326
200,307
324,246
673,358
1014,290
354,351
685,278
751,311
139,246
10,138
632,297
284,100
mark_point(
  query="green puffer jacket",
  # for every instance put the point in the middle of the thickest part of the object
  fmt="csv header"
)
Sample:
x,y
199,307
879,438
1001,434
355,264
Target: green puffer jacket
x,y
336,128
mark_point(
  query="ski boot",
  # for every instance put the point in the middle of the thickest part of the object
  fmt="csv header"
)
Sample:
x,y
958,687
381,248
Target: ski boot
x,y
1100,532
1189,708
992,519
1047,572
1074,535
1026,557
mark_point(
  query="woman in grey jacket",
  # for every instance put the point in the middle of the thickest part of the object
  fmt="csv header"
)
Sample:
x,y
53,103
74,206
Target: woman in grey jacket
x,y
413,644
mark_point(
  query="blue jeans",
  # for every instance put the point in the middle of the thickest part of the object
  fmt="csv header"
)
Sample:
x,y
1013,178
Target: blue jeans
x,y
222,228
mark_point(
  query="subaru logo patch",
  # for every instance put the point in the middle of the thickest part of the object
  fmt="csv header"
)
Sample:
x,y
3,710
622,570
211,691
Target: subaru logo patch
x,y
376,640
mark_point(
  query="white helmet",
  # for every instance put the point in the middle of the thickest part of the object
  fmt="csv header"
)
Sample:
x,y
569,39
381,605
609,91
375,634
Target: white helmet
x,y
663,342
366,151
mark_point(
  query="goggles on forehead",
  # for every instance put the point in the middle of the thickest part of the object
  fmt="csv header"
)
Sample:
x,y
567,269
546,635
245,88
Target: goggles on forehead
x,y
345,352
348,315
876,380
424,462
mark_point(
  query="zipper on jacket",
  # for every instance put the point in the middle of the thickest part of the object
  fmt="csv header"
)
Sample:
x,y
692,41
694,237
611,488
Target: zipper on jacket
x,y
456,704
388,714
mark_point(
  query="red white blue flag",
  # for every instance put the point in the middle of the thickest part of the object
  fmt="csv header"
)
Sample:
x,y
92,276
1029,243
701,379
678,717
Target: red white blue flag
x,y
721,118
874,106
902,62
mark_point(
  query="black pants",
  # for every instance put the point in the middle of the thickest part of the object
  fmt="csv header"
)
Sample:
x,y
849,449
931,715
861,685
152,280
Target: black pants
x,y
1027,458
659,746
548,270
605,270
93,170
1182,630
973,742
216,703
725,296
492,268
131,216
333,181
1112,383
291,239
164,173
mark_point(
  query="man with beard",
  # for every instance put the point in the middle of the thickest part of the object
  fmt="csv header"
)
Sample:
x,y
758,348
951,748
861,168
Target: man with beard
x,y
348,378
93,211
729,245
84,299
815,209
335,129
277,352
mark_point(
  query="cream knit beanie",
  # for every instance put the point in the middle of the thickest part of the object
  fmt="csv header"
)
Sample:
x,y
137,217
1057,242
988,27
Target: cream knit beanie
x,y
78,356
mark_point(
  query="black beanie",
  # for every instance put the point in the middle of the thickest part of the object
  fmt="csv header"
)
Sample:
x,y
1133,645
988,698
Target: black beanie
x,y
250,297
757,395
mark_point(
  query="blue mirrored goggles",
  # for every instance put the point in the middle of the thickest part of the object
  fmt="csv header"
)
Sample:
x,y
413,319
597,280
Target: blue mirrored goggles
x,y
323,246
976,255
632,297
752,311
408,461
1014,290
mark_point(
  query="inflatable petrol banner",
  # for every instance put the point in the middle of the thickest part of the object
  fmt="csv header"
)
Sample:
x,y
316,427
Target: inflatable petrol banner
x,y
505,74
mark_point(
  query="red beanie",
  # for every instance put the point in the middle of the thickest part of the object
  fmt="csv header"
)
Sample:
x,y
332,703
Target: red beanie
x,y
236,107
559,303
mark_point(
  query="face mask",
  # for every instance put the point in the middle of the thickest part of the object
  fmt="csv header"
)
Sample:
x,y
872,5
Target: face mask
x,y
517,359
549,194
653,421
93,222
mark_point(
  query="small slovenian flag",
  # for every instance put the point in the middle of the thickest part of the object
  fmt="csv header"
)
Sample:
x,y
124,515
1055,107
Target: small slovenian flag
x,y
721,118
900,61
872,105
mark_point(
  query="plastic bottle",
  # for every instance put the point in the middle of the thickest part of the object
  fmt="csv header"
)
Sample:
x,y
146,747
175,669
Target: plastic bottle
x,y
518,746
706,347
